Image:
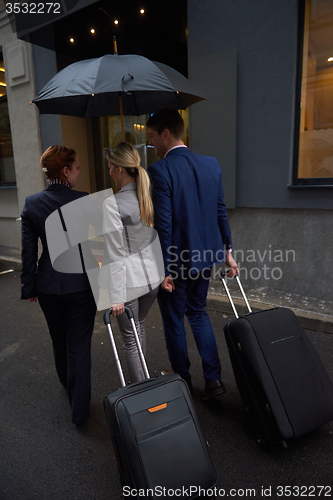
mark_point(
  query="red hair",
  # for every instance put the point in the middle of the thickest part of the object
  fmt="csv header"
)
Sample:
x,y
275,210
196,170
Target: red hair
x,y
55,159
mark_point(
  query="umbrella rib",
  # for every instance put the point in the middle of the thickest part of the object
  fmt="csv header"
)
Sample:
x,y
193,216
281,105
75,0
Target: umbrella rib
x,y
135,104
178,97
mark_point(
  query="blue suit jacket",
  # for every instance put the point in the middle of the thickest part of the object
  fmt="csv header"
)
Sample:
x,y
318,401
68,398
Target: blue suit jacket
x,y
190,213
42,277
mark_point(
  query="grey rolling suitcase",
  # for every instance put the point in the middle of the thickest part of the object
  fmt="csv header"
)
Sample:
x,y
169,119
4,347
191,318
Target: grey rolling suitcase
x,y
156,435
284,386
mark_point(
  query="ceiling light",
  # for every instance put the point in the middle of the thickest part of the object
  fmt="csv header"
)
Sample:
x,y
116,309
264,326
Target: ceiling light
x,y
330,59
142,11
71,40
92,31
116,21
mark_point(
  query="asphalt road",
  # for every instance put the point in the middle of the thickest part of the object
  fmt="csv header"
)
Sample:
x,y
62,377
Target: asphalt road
x,y
44,457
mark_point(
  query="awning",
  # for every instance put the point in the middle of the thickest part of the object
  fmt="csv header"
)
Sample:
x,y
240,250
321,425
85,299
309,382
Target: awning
x,y
32,20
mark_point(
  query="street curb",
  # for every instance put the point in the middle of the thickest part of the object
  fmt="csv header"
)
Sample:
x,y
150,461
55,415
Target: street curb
x,y
10,262
308,319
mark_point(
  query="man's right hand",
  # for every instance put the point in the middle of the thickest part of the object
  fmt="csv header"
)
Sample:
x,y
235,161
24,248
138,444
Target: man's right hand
x,y
168,284
232,264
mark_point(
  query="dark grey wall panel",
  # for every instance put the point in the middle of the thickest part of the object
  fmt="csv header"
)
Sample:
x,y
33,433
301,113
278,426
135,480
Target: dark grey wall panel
x,y
45,69
213,122
286,250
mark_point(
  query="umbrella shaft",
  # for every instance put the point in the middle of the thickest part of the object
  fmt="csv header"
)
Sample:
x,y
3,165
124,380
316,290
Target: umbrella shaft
x,y
121,116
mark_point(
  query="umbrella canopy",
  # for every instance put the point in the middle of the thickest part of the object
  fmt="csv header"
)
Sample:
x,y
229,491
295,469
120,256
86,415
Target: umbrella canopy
x,y
92,88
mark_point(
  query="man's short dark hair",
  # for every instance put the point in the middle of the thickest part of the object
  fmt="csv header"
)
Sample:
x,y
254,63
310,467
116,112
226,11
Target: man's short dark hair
x,y
167,118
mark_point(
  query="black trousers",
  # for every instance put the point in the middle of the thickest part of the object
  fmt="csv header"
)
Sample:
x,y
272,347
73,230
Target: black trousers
x,y
70,319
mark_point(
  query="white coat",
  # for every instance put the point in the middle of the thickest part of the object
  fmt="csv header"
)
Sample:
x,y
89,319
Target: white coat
x,y
132,261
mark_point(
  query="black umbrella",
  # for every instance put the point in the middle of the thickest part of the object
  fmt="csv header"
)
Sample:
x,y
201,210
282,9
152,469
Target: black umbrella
x,y
116,85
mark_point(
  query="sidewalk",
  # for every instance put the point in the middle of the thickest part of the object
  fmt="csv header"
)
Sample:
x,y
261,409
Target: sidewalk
x,y
44,457
313,314
10,258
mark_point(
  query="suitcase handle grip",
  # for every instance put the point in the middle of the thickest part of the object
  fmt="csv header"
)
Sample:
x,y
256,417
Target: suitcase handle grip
x,y
222,277
107,314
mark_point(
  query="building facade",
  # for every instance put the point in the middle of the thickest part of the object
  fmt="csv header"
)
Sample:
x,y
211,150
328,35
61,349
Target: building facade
x,y
268,118
252,59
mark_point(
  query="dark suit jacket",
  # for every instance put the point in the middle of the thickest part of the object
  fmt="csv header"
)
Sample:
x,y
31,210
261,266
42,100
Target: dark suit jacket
x,y
41,277
190,214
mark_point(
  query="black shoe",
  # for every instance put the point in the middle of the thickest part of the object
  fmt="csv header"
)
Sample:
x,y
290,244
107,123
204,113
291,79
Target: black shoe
x,y
213,389
82,425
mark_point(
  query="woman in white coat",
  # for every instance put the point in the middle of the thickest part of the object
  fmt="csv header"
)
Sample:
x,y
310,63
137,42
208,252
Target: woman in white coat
x,y
133,262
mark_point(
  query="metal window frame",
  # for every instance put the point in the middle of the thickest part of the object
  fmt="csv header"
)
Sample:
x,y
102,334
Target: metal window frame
x,y
310,182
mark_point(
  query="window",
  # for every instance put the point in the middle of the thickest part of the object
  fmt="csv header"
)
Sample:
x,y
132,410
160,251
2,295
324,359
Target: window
x,y
7,168
136,133
313,159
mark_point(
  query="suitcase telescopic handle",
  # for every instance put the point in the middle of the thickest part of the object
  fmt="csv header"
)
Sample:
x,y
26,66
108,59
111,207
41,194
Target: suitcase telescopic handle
x,y
222,277
107,322
107,314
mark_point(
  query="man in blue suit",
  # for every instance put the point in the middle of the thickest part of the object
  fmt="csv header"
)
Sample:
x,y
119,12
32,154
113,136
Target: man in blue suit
x,y
191,220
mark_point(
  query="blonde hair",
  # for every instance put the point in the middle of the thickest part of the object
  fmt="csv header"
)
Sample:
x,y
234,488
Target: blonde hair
x,y
126,156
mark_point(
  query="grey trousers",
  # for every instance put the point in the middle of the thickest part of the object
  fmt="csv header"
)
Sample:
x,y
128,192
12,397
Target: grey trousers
x,y
140,308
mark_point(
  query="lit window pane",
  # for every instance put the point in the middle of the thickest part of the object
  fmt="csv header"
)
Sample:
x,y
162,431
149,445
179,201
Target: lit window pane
x,y
136,133
316,124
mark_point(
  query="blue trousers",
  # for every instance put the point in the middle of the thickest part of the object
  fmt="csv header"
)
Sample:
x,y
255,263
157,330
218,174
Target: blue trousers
x,y
70,319
189,298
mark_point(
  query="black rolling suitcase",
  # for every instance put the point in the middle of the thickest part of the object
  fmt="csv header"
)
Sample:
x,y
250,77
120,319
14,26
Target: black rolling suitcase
x,y
158,442
281,379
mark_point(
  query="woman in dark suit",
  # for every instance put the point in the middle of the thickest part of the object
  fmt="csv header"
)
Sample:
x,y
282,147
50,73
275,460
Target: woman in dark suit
x,y
66,299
